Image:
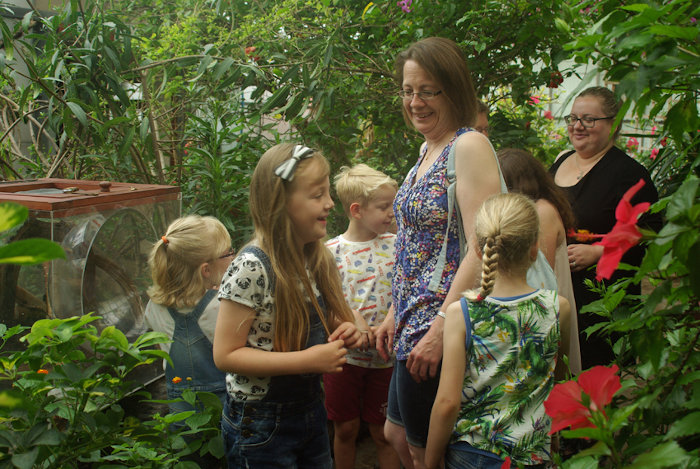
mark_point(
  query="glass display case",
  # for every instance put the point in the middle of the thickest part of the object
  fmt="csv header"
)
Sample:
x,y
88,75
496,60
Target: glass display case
x,y
106,230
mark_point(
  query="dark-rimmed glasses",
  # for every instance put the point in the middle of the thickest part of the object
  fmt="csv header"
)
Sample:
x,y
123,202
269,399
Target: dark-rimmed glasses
x,y
586,121
424,95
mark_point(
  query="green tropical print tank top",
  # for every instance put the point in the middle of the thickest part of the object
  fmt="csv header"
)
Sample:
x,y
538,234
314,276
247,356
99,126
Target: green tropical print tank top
x,y
510,373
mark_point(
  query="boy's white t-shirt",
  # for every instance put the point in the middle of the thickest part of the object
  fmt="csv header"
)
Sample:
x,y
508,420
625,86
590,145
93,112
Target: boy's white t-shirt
x,y
365,268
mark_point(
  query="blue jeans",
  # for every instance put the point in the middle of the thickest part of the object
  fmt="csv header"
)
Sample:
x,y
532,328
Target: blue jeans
x,y
290,435
462,455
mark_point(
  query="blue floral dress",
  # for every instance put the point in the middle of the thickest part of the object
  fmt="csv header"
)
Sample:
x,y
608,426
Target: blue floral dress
x,y
420,208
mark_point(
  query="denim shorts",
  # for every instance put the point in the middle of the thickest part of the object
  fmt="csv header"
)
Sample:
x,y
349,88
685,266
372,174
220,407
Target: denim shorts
x,y
462,455
410,403
289,435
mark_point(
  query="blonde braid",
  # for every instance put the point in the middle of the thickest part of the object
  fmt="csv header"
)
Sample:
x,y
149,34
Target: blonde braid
x,y
489,263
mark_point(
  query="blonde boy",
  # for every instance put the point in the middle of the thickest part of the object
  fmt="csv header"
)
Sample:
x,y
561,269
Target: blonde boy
x,y
365,257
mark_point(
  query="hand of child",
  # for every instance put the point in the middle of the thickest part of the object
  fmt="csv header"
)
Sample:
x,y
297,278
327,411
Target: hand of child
x,y
349,334
329,358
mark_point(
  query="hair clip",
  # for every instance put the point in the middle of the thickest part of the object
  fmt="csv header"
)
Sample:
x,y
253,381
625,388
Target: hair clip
x,y
286,170
165,240
479,297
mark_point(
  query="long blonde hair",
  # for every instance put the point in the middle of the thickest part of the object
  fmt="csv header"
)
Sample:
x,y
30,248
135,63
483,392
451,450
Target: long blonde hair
x,y
269,195
176,260
506,228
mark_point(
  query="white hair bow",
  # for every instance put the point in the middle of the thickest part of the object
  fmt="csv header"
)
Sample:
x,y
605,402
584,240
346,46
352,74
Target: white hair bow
x,y
286,169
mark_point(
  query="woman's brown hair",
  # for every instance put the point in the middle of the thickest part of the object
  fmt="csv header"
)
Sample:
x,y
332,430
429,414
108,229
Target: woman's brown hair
x,y
525,174
445,62
269,195
608,101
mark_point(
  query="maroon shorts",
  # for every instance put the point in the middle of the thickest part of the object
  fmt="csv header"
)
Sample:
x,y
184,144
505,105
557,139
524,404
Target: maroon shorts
x,y
357,392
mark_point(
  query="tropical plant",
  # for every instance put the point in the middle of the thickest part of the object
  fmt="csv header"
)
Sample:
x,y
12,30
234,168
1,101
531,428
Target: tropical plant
x,y
654,422
61,389
649,50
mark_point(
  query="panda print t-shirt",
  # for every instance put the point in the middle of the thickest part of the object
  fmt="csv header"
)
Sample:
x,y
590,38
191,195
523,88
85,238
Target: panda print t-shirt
x,y
247,282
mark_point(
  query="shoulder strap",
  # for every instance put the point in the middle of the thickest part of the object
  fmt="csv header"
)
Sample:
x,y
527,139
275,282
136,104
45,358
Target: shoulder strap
x,y
198,308
467,323
452,208
264,259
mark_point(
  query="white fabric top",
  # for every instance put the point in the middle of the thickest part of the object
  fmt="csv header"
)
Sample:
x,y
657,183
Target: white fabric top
x,y
563,274
365,269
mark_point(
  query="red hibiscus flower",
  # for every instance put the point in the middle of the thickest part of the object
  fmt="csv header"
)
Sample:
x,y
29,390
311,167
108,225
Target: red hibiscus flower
x,y
548,115
624,234
506,463
565,404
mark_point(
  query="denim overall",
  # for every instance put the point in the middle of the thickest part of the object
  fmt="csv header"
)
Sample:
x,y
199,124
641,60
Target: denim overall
x,y
287,428
191,353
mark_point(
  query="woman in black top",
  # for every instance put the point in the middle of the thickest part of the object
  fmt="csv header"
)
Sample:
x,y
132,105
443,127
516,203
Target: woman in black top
x,y
595,175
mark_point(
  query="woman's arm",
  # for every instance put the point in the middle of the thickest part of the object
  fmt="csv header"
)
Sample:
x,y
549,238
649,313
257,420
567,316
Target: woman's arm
x,y
448,399
232,355
551,229
477,179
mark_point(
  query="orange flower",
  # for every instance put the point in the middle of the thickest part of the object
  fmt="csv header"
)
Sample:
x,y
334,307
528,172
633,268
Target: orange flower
x,y
176,380
42,371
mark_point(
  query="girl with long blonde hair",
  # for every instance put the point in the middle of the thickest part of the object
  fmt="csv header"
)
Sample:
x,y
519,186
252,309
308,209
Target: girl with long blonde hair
x,y
283,319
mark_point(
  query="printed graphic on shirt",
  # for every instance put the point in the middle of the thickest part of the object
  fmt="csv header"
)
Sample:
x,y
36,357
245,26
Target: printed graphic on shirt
x,y
366,269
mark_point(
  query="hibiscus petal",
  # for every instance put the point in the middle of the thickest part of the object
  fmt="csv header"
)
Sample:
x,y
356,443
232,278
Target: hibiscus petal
x,y
625,211
600,383
564,407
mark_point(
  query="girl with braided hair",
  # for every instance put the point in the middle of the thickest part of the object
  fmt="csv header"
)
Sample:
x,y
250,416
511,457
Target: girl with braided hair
x,y
500,349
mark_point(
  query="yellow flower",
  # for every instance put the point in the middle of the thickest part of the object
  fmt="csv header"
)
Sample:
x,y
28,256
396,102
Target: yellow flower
x,y
189,378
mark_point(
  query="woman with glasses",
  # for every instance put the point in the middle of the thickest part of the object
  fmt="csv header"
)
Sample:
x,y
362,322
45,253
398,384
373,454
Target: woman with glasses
x,y
594,176
438,100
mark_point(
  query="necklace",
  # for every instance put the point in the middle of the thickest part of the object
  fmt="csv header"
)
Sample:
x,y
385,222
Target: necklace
x,y
580,171
584,171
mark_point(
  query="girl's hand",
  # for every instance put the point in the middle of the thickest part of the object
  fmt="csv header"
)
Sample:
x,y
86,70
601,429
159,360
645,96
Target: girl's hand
x,y
328,358
349,334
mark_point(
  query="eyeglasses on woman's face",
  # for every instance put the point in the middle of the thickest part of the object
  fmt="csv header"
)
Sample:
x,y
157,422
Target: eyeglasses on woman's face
x,y
586,121
424,95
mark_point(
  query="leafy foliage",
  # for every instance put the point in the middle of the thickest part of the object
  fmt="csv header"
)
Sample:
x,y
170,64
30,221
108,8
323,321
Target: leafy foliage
x,y
653,423
650,50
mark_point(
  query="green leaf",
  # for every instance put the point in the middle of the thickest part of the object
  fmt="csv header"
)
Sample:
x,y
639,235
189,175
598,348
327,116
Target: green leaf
x,y
11,215
78,112
144,128
30,251
683,199
665,455
688,425
222,67
26,20
25,460
678,32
